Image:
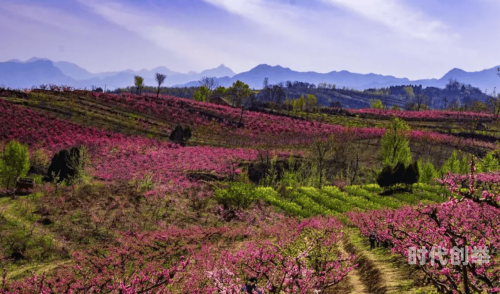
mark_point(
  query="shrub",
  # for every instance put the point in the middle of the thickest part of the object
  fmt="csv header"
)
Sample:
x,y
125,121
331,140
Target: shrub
x,y
180,135
14,163
384,179
39,161
427,172
237,196
399,175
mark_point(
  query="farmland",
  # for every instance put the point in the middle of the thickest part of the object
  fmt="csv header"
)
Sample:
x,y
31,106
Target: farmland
x,y
290,197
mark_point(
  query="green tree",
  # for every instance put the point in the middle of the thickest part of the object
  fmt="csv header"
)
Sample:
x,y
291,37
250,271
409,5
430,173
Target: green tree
x,y
220,91
14,163
202,94
239,92
427,172
395,146
488,164
409,93
311,102
395,107
376,104
452,165
298,104
139,83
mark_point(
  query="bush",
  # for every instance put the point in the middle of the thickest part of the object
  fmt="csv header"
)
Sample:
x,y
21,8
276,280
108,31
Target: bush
x,y
384,179
39,162
14,163
427,172
180,135
237,196
399,175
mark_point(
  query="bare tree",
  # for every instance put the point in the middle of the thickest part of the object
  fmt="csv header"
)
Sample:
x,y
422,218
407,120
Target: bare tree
x,y
211,83
265,84
160,79
420,100
321,151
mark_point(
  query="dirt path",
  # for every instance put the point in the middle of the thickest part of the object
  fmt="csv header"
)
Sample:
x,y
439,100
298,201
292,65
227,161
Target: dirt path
x,y
393,276
355,282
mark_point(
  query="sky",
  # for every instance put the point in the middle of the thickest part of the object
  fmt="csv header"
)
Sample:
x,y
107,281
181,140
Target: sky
x,y
405,38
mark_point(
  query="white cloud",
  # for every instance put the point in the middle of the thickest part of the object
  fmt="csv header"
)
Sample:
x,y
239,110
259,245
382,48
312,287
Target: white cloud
x,y
396,16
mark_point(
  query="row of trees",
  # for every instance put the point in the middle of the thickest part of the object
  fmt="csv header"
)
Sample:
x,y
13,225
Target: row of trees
x,y
139,82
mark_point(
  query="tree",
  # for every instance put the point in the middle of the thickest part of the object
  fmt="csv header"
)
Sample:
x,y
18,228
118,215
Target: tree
x,y
421,101
265,83
139,83
298,104
202,94
376,104
411,175
220,91
240,92
384,178
311,102
211,83
274,93
395,107
427,172
488,164
409,93
395,145
322,150
452,165
14,163
160,78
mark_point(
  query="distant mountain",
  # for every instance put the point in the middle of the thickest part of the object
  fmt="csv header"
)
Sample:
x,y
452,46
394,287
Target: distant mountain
x,y
486,79
15,73
73,75
276,74
72,70
24,75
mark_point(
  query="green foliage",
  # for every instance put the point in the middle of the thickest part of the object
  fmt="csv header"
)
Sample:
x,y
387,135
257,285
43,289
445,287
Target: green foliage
x,y
237,196
202,95
395,107
409,92
489,163
239,93
139,83
395,146
376,104
427,172
39,161
311,102
298,104
14,163
452,165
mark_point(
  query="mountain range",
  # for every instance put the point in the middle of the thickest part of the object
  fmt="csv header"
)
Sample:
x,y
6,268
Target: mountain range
x,y
36,71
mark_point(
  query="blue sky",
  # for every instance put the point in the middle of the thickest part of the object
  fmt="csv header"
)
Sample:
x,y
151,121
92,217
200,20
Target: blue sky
x,y
404,38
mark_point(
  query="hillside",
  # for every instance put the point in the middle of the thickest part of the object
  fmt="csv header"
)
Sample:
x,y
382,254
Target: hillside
x,y
240,197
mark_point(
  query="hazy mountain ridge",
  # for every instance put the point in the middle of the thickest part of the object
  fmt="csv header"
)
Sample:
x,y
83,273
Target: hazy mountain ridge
x,y
15,73
33,72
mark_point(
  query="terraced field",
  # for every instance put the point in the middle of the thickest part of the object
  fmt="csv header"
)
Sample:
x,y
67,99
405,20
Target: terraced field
x,y
330,200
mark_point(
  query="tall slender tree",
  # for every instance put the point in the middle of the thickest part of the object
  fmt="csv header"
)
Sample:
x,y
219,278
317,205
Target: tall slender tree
x,y
139,83
160,79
